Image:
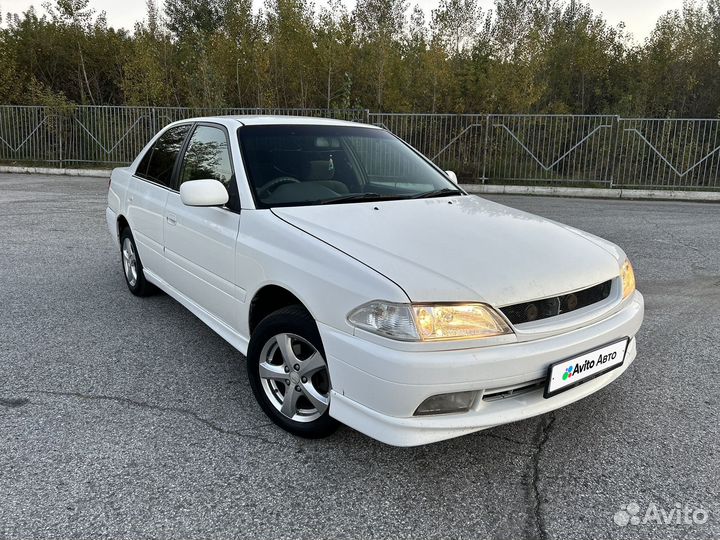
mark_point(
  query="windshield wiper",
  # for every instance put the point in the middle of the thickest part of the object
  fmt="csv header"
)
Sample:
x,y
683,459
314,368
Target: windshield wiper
x,y
358,197
444,192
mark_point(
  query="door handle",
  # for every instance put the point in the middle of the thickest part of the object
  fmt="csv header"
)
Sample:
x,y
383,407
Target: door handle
x,y
171,219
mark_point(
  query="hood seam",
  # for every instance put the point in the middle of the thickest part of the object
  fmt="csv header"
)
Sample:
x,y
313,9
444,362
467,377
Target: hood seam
x,y
272,210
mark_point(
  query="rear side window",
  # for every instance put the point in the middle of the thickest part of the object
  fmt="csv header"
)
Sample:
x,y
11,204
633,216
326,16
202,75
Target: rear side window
x,y
157,164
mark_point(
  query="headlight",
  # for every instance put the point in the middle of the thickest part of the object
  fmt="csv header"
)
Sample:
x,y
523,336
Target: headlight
x,y
429,322
627,274
387,319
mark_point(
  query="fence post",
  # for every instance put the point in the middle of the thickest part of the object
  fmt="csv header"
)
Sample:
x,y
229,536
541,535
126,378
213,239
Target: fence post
x,y
485,148
61,136
615,158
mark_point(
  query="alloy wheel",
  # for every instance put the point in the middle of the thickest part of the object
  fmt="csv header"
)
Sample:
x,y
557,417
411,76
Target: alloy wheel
x,y
295,378
130,262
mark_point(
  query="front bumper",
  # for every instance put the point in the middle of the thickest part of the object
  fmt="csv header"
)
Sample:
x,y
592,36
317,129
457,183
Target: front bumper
x,y
376,390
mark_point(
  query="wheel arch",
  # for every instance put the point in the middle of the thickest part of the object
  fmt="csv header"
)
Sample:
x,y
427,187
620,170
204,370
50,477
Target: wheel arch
x,y
270,298
122,224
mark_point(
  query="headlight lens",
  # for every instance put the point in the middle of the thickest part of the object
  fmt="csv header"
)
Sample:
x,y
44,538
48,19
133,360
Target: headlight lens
x,y
627,274
429,322
386,319
463,321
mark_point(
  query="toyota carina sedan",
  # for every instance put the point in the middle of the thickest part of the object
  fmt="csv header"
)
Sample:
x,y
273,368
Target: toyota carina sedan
x,y
363,285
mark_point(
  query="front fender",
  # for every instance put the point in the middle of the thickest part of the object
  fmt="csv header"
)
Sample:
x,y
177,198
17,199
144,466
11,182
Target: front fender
x,y
327,281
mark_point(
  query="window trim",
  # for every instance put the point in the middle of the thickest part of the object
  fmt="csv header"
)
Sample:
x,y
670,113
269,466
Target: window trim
x,y
152,148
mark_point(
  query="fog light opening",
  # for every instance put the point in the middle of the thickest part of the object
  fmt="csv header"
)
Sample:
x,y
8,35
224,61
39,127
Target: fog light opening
x,y
447,403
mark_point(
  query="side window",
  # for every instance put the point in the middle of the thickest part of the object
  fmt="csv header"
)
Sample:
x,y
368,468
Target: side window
x,y
208,157
157,164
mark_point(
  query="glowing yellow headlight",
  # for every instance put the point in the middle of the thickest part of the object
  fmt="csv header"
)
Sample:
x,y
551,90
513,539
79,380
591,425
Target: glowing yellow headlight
x,y
627,274
457,321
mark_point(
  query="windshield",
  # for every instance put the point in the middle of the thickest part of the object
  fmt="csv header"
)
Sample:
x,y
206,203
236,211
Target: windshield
x,y
298,165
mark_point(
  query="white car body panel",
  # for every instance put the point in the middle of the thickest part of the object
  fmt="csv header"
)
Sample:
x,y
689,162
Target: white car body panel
x,y
485,248
325,280
334,258
200,256
145,209
416,430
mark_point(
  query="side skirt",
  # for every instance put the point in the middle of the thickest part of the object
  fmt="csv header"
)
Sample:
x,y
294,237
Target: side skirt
x,y
215,324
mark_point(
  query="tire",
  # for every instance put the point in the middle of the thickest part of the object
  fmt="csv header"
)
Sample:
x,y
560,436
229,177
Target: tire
x,y
286,348
132,266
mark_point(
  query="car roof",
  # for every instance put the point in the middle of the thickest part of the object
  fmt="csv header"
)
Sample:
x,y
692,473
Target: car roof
x,y
267,120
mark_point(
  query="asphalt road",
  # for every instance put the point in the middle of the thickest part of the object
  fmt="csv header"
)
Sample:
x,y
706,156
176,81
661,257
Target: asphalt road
x,y
123,417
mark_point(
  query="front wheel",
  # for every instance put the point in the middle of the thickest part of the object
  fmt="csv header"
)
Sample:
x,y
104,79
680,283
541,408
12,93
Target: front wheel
x,y
289,375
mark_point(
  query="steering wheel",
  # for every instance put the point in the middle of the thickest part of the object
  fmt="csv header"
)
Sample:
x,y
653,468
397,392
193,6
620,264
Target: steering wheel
x,y
272,185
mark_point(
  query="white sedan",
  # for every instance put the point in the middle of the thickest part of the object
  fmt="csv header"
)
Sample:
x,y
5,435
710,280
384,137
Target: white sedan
x,y
363,285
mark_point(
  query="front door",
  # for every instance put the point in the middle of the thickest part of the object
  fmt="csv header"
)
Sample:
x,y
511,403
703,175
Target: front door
x,y
200,241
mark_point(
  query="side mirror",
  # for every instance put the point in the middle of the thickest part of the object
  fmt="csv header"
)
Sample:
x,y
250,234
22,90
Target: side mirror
x,y
203,193
452,176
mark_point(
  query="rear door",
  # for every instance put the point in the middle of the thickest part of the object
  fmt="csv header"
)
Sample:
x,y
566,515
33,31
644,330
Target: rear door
x,y
147,194
200,241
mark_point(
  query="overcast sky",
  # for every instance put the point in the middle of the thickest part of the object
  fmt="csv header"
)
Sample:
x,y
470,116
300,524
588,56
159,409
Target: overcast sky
x,y
639,16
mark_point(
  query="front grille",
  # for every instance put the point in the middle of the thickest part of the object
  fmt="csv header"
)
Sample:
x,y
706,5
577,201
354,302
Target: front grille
x,y
504,393
556,305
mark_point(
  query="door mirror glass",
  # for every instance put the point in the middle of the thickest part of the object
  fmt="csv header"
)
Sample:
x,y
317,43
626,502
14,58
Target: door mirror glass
x,y
452,176
203,193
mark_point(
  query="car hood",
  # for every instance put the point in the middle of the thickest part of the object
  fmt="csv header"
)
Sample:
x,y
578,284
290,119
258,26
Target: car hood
x,y
461,248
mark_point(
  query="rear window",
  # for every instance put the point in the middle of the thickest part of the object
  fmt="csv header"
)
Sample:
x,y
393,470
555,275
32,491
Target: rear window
x,y
158,163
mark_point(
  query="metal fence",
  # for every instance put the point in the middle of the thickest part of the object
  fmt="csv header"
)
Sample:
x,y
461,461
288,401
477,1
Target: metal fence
x,y
105,136
602,151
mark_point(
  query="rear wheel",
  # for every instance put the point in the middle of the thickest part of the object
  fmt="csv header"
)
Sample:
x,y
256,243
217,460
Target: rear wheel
x,y
132,267
289,375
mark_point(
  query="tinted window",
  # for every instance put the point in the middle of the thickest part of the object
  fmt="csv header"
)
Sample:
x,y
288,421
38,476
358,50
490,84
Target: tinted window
x,y
208,157
386,163
158,163
299,165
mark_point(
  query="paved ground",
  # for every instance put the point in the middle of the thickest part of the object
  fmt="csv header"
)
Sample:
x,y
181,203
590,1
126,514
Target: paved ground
x,y
127,418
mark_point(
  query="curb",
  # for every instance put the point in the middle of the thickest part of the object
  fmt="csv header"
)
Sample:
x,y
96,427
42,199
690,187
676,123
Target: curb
x,y
595,193
96,173
543,191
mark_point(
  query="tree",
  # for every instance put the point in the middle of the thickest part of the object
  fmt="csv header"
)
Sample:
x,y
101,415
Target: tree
x,y
523,56
291,52
333,38
75,13
579,54
379,25
190,17
146,72
456,22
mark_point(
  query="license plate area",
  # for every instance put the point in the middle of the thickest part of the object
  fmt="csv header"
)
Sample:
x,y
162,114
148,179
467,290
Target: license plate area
x,y
584,367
